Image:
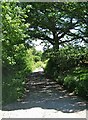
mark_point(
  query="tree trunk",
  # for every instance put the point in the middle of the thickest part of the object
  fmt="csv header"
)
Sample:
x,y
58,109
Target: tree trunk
x,y
56,44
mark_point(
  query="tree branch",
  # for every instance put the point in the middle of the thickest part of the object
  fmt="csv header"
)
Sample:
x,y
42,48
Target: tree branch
x,y
44,37
78,37
61,35
66,41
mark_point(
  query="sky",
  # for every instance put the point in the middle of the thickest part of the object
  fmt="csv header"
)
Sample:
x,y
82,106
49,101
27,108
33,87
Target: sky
x,y
38,45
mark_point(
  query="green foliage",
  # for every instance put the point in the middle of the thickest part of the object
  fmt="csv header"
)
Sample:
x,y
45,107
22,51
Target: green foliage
x,y
69,66
37,55
13,82
40,21
29,60
14,59
82,87
77,81
57,23
14,33
33,59
12,87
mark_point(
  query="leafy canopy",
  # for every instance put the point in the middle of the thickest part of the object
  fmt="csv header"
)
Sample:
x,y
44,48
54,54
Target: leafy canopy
x,y
58,23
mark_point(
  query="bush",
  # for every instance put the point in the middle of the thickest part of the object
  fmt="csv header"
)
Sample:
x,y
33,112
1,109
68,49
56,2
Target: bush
x,y
70,82
12,87
82,84
51,68
70,68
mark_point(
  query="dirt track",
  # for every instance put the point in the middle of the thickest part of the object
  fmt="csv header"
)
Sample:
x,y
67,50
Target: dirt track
x,y
45,99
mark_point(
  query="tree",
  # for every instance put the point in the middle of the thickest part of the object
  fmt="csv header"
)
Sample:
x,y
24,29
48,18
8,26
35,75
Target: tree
x,y
14,33
58,23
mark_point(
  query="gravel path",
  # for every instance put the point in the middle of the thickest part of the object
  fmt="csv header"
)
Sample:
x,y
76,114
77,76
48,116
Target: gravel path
x,y
45,99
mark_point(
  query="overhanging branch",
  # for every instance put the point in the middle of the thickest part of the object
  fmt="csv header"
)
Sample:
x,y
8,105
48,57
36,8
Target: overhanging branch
x,y
66,41
78,37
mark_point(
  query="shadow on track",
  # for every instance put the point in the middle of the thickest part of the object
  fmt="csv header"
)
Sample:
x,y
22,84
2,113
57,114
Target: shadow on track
x,y
47,94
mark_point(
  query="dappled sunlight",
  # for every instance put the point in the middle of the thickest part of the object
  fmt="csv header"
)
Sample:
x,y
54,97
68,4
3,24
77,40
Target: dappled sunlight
x,y
47,94
46,82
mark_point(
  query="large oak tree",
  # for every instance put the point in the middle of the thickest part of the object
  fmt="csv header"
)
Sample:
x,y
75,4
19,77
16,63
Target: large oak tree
x,y
58,23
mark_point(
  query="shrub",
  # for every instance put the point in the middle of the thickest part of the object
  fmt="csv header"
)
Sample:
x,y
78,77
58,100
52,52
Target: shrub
x,y
70,82
70,68
12,87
